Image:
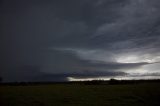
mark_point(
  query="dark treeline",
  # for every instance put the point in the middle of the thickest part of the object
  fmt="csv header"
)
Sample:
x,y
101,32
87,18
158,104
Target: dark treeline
x,y
93,82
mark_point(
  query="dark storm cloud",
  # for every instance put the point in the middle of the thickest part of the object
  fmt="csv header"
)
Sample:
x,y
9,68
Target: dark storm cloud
x,y
72,63
67,63
71,36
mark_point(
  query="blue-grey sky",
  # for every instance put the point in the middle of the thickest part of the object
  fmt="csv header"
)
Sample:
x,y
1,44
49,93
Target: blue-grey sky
x,y
60,40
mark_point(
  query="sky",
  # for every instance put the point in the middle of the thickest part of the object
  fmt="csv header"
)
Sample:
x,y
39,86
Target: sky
x,y
67,40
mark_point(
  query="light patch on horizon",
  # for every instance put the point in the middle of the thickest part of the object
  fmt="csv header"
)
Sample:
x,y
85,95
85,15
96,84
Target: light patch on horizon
x,y
118,78
86,79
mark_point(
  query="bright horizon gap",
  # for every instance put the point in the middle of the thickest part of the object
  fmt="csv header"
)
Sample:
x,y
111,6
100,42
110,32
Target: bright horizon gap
x,y
118,78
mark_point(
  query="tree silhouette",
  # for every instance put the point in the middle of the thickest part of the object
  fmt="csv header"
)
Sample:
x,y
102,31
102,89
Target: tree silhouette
x,y
113,81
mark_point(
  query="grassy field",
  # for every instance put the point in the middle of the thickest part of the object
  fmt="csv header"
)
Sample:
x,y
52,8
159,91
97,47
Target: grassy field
x,y
81,95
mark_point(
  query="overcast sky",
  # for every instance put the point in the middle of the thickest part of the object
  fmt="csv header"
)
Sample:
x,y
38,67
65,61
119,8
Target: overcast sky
x,y
60,40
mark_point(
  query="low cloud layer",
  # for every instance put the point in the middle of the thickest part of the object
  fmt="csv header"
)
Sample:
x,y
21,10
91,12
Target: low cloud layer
x,y
86,38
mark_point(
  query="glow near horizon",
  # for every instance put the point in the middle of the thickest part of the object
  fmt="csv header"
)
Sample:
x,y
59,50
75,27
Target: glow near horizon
x,y
128,57
131,72
118,78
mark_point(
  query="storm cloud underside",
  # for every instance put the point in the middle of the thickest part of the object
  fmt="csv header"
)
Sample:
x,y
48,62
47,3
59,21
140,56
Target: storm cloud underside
x,y
52,40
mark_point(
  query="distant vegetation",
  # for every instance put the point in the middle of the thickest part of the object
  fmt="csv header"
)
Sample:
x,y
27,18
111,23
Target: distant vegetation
x,y
92,82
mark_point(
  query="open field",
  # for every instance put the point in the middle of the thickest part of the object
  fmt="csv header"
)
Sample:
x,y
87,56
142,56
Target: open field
x,y
143,94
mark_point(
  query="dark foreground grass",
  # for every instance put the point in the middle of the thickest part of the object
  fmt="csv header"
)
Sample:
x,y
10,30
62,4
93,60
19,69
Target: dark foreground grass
x,y
147,94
